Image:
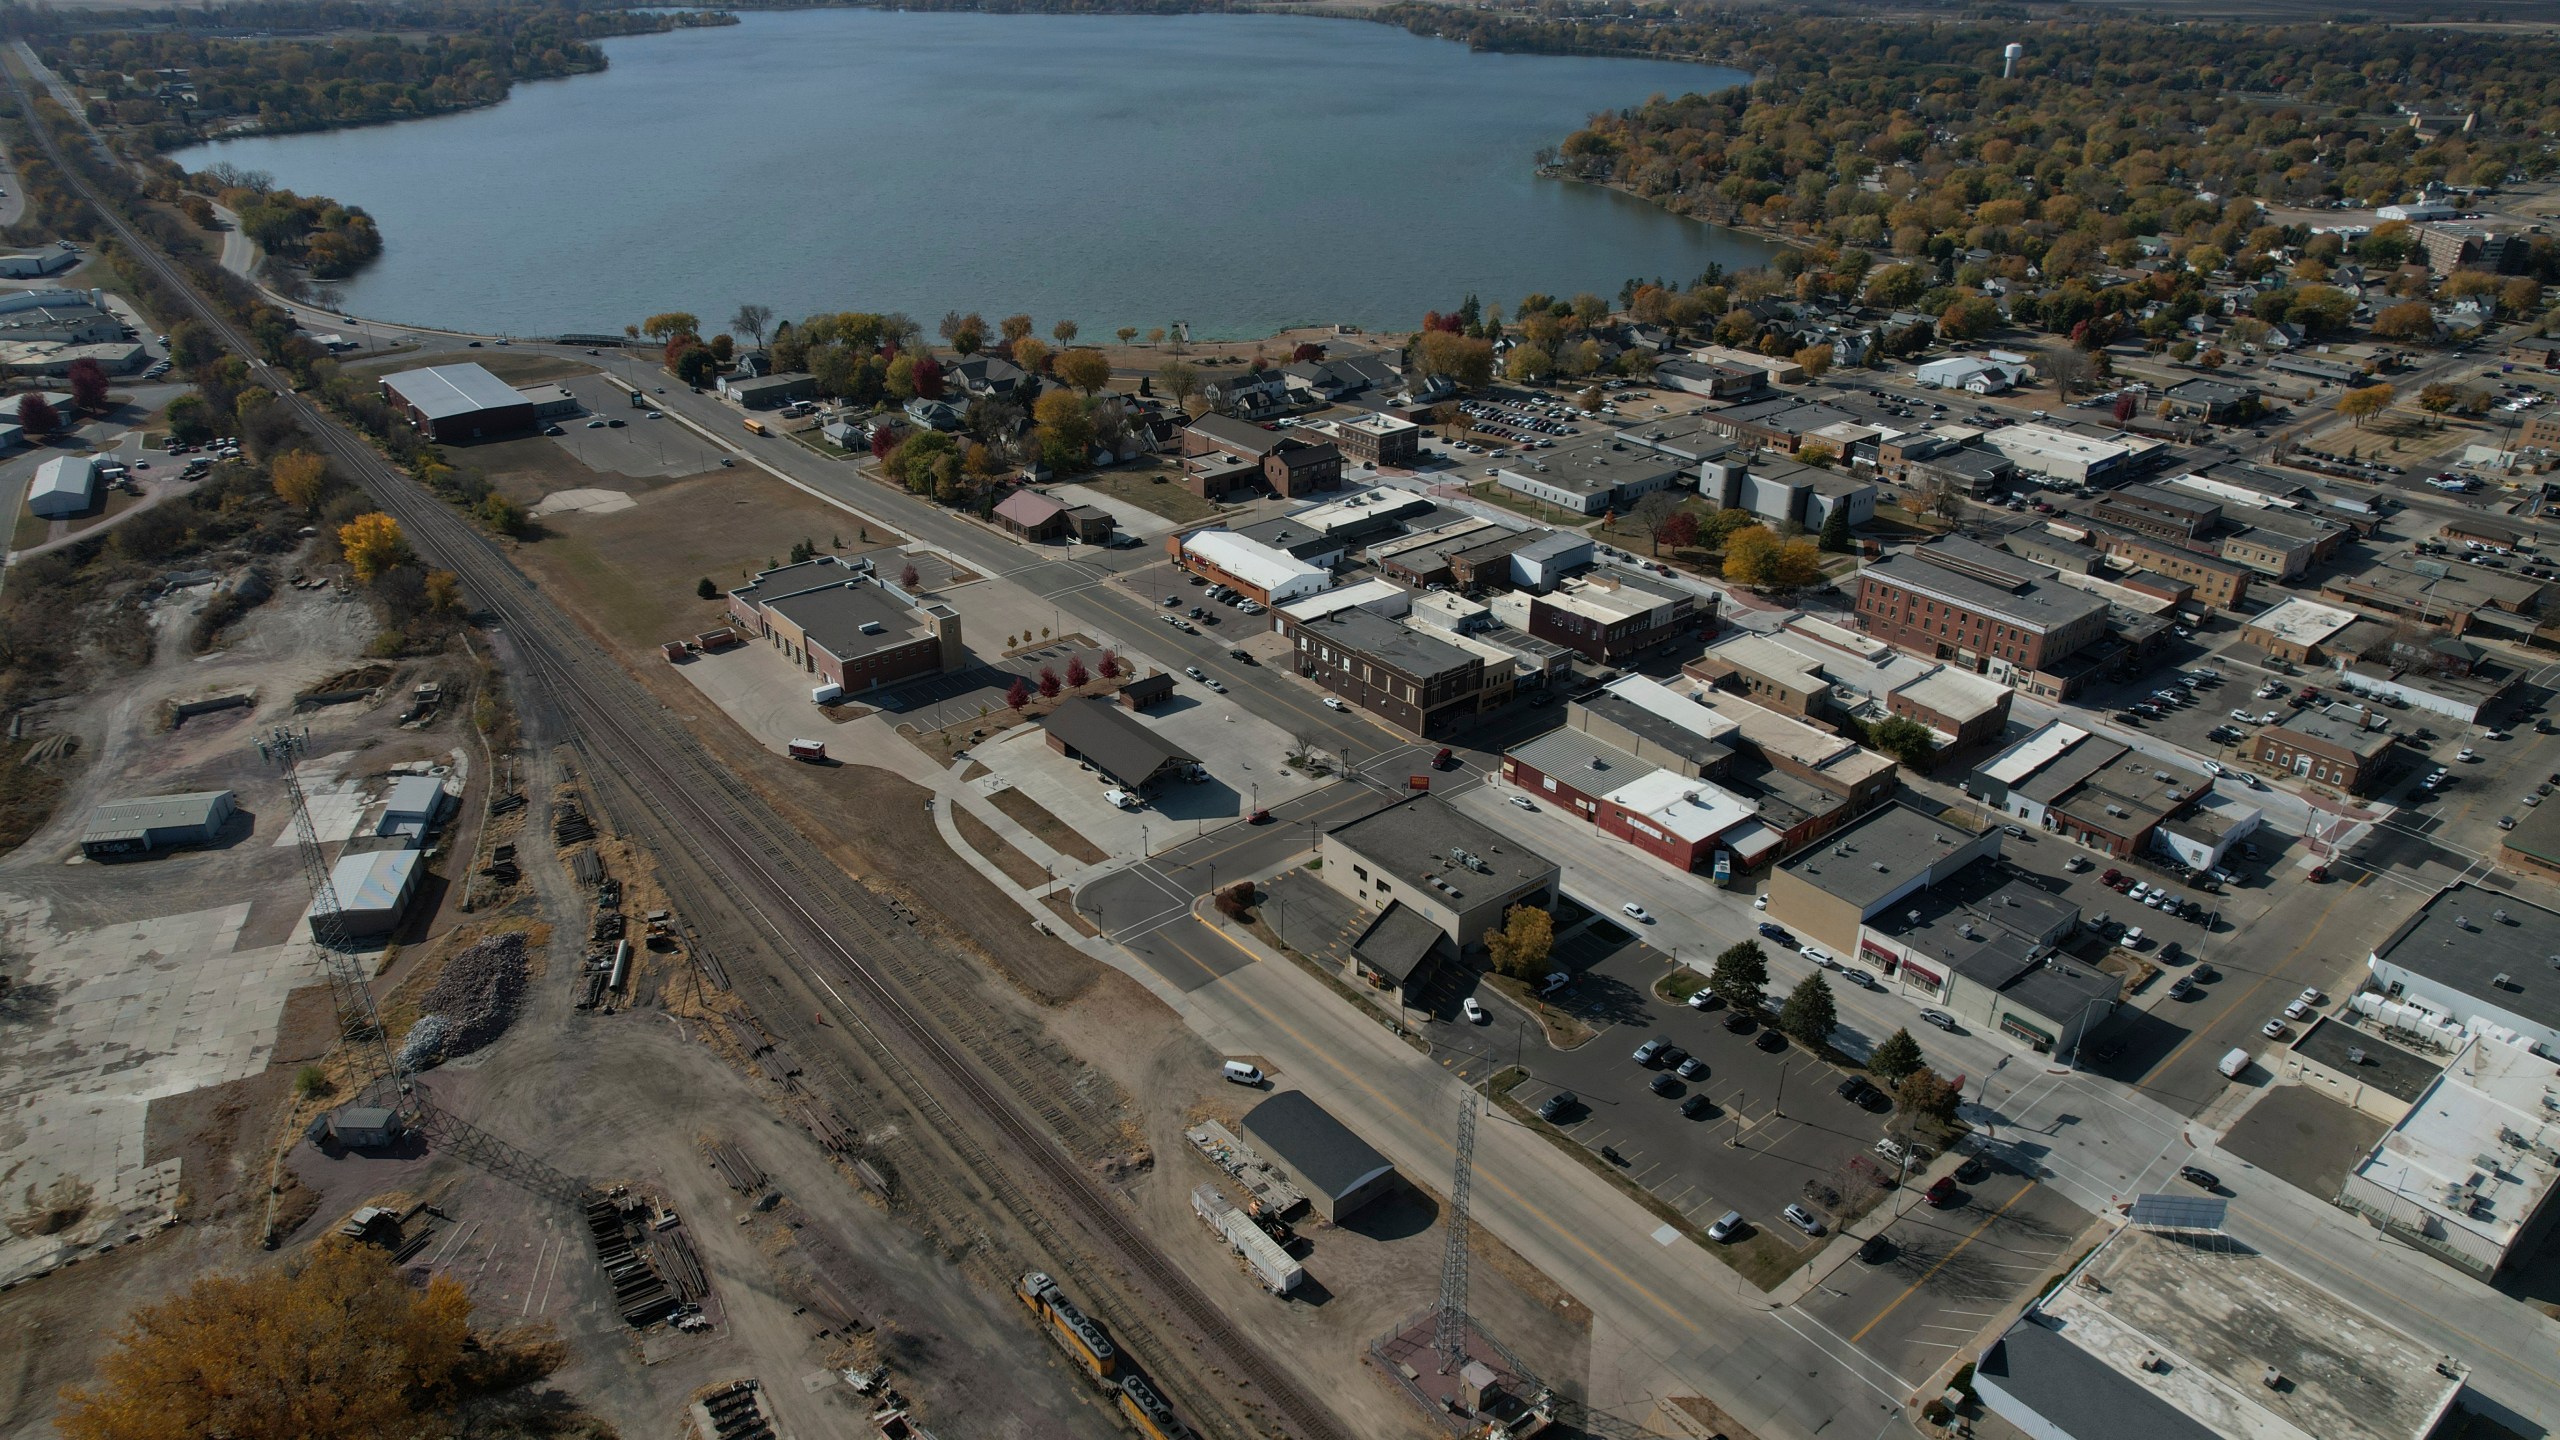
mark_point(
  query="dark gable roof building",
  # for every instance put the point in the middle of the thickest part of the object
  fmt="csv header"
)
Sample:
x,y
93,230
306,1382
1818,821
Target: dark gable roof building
x,y
1114,742
1339,1173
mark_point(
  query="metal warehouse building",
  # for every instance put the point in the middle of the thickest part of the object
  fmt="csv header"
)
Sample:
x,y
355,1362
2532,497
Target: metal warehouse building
x,y
372,889
156,822
456,403
64,485
1339,1172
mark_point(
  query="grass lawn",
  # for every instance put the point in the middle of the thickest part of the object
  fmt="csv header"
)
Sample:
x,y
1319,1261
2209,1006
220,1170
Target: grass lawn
x,y
1155,490
632,572
1897,523
1492,493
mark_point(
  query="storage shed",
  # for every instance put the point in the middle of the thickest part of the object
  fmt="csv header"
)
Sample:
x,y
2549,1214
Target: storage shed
x,y
372,889
64,485
156,822
413,807
1339,1172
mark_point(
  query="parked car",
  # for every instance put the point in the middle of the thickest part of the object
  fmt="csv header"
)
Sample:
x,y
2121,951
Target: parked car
x,y
1637,913
1695,1106
1557,1104
1802,1219
2197,1176
1777,933
1651,1050
1662,1085
1704,999
1939,1018
1942,1194
1474,1011
1727,1225
1691,1068
1772,1041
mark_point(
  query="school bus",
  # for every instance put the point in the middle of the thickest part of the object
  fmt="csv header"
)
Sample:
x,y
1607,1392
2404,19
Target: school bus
x,y
755,426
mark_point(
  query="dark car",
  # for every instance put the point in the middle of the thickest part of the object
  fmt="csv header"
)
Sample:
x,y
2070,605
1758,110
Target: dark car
x,y
1772,1041
1778,933
2201,1179
1696,1106
1663,1084
1741,1022
2182,987
1942,1195
1556,1104
1972,1171
1876,1251
2204,974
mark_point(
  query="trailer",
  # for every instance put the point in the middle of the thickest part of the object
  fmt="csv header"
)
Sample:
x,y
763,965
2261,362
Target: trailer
x,y
1262,1255
810,750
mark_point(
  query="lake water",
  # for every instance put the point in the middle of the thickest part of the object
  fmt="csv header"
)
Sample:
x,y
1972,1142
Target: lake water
x,y
1243,173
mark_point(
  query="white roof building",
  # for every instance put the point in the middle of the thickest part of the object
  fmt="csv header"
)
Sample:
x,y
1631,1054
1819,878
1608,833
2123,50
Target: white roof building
x,y
1281,576
1383,598
371,888
2060,454
63,486
1693,810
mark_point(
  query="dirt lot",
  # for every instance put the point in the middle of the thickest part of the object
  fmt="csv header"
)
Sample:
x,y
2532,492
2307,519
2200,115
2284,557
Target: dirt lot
x,y
164,998
1364,1278
982,837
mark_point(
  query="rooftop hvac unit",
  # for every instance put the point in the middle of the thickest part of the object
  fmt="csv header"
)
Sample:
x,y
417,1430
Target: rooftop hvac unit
x,y
2500,981
1965,929
2461,922
1878,866
1914,917
870,627
2501,917
2160,775
2355,1055
2273,1379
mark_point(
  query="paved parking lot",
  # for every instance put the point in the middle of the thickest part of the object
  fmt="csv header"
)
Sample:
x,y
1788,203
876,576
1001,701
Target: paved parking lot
x,y
1772,1127
641,448
1944,1275
2303,1138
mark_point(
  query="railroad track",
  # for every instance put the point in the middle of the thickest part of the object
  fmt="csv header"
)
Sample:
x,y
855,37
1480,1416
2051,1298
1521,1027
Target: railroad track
x,y
624,727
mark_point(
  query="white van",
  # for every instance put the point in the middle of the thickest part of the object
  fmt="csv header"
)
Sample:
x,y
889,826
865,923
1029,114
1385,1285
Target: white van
x,y
2233,1063
1241,1073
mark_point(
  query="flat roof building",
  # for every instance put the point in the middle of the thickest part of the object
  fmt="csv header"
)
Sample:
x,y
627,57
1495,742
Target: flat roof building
x,y
457,403
2186,1336
1338,1172
1609,615
156,822
1829,891
1587,478
1459,873
1421,683
2470,1169
2087,788
2014,635
2329,745
2065,455
2477,962
2298,629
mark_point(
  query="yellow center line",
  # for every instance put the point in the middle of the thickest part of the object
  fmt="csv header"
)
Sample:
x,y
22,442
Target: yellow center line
x,y
1914,1286
1567,1234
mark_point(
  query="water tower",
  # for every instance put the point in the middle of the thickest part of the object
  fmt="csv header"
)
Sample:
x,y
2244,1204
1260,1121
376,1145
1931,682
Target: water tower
x,y
2009,59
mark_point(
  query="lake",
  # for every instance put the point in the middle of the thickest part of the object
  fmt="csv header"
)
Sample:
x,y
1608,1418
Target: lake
x,y
1242,173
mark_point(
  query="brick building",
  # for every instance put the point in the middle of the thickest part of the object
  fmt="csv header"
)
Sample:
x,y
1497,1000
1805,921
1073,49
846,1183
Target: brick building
x,y
2328,746
1418,683
1610,614
1933,611
839,621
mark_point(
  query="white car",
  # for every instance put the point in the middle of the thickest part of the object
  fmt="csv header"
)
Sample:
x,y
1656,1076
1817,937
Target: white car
x,y
1820,957
1939,1018
1474,1012
1332,703
1636,913
2211,767
1524,802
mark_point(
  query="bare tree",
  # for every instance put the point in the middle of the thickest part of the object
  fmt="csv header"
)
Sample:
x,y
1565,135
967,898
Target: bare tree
x,y
2069,369
1652,510
751,322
